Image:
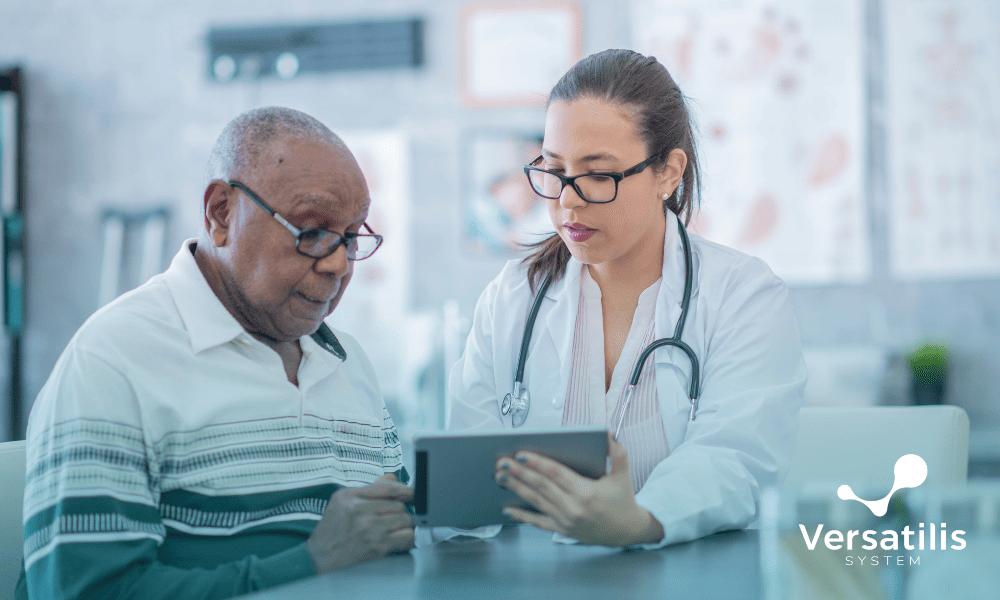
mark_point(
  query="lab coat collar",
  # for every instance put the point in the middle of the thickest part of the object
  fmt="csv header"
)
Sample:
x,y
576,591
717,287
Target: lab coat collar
x,y
561,320
668,301
206,320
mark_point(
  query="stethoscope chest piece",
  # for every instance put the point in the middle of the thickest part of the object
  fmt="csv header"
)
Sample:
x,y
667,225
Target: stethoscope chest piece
x,y
516,404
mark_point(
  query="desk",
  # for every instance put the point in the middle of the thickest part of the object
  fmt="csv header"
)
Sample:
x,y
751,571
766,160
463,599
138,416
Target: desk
x,y
523,561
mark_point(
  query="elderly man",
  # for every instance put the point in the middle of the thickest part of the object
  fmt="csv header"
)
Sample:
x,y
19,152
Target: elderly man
x,y
207,435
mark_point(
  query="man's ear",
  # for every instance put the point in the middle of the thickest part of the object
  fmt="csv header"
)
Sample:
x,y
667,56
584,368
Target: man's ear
x,y
218,209
672,171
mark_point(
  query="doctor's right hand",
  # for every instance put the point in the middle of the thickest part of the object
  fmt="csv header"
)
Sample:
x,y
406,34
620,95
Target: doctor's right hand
x,y
362,524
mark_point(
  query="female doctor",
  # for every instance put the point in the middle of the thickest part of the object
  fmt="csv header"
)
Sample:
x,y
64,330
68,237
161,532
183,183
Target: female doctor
x,y
619,173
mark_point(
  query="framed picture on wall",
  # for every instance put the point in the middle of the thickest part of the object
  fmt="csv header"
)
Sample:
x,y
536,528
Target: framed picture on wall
x,y
502,213
512,53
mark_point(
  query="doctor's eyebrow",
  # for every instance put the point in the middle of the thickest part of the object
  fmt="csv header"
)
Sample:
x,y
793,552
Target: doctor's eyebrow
x,y
588,158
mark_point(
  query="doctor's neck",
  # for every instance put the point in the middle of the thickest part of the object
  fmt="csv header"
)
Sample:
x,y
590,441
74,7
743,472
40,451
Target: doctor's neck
x,y
635,269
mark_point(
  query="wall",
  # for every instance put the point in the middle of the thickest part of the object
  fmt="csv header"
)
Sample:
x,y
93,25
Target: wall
x,y
122,114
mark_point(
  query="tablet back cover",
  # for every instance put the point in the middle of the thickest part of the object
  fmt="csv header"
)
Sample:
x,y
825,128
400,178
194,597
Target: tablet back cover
x,y
454,483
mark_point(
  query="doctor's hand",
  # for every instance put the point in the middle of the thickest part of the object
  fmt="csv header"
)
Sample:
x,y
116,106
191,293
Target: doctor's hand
x,y
362,524
594,511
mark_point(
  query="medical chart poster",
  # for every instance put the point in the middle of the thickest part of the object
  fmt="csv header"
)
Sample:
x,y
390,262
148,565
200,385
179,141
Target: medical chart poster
x,y
943,110
776,89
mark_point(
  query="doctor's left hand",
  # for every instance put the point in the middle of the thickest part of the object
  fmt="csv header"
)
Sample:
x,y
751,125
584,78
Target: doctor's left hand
x,y
594,511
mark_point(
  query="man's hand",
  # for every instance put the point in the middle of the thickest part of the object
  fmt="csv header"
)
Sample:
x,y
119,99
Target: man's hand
x,y
362,524
595,511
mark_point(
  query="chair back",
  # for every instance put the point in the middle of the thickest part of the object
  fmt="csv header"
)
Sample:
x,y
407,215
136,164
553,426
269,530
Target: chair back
x,y
859,446
11,520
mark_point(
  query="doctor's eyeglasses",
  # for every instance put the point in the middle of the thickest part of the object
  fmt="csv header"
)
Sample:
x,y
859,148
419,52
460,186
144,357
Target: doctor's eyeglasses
x,y
320,243
596,188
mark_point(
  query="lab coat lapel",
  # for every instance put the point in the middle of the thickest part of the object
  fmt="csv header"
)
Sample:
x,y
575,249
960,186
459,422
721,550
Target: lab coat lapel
x,y
673,369
558,327
560,323
668,301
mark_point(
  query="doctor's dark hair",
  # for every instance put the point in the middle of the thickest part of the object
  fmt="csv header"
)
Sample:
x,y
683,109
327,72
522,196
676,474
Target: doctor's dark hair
x,y
643,87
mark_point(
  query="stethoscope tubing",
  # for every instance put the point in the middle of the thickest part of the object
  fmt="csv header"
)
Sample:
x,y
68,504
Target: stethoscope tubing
x,y
675,341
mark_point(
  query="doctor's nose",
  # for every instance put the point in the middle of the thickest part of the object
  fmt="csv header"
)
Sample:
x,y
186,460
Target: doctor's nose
x,y
570,199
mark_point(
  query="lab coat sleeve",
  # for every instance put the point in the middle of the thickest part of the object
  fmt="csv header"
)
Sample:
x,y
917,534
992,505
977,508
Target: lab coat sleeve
x,y
472,390
743,436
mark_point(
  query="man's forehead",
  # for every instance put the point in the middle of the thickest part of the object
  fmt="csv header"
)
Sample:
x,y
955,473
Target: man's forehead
x,y
323,203
295,151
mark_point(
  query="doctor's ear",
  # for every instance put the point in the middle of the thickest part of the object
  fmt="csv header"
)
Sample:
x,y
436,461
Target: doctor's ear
x,y
219,197
670,173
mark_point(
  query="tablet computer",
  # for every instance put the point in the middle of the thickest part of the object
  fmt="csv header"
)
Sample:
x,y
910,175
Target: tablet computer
x,y
454,483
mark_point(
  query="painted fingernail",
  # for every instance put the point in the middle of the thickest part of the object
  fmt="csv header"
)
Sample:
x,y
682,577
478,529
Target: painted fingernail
x,y
502,479
521,458
508,512
505,465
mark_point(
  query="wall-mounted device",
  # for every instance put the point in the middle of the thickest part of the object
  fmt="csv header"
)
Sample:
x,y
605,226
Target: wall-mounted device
x,y
289,50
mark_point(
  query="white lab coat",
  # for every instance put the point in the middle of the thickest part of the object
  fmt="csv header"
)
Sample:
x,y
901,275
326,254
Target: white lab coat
x,y
741,327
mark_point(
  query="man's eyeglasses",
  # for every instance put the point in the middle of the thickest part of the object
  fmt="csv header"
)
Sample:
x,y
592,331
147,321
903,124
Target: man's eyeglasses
x,y
597,188
320,243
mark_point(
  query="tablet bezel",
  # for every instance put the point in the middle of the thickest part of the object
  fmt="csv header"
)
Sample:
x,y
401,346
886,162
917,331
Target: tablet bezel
x,y
453,482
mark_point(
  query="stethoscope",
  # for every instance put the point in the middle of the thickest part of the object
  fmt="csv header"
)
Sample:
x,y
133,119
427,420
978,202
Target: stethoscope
x,y
517,402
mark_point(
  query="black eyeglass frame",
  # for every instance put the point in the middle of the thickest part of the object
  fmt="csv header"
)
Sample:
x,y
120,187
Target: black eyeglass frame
x,y
571,180
344,240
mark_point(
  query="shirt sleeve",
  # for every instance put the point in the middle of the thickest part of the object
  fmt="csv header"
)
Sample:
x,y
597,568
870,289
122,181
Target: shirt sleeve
x,y
744,434
92,525
392,450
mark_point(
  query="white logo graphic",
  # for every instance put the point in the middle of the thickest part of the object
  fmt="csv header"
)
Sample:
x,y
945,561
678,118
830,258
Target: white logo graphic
x,y
910,471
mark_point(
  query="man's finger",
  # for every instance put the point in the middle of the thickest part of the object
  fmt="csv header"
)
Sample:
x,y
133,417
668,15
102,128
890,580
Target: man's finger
x,y
381,507
389,490
402,539
394,521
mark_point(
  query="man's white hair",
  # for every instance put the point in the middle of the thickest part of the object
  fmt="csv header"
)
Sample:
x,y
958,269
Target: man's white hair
x,y
249,135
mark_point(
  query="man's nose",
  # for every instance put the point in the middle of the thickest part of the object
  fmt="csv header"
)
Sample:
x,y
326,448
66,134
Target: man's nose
x,y
335,263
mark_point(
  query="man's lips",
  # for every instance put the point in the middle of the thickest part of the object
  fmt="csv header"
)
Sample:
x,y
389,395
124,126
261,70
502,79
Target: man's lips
x,y
314,299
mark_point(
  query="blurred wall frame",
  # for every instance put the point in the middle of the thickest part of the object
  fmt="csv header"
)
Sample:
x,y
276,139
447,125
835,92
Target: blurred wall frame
x,y
377,309
536,41
13,266
133,250
501,211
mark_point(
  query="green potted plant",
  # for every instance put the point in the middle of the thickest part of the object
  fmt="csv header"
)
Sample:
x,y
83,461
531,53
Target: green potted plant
x,y
929,370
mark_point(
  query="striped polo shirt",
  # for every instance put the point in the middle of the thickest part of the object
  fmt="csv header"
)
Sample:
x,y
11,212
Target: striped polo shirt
x,y
168,455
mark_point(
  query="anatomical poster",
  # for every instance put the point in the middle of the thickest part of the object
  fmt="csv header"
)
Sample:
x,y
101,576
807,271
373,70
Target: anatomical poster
x,y
776,89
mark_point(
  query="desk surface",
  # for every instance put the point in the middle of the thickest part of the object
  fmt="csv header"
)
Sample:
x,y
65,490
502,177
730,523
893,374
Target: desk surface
x,y
523,561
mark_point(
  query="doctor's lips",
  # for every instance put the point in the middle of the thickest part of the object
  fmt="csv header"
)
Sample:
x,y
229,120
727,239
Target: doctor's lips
x,y
578,232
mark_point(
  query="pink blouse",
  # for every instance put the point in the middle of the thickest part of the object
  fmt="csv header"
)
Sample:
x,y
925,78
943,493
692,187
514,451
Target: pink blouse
x,y
586,401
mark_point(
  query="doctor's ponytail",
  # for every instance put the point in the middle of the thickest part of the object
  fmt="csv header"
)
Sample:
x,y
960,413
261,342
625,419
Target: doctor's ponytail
x,y
642,86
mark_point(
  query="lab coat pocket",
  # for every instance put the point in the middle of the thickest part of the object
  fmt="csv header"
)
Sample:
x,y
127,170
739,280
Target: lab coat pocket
x,y
673,380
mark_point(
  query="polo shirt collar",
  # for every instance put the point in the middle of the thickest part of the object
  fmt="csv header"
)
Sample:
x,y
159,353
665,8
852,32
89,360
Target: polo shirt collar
x,y
206,320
